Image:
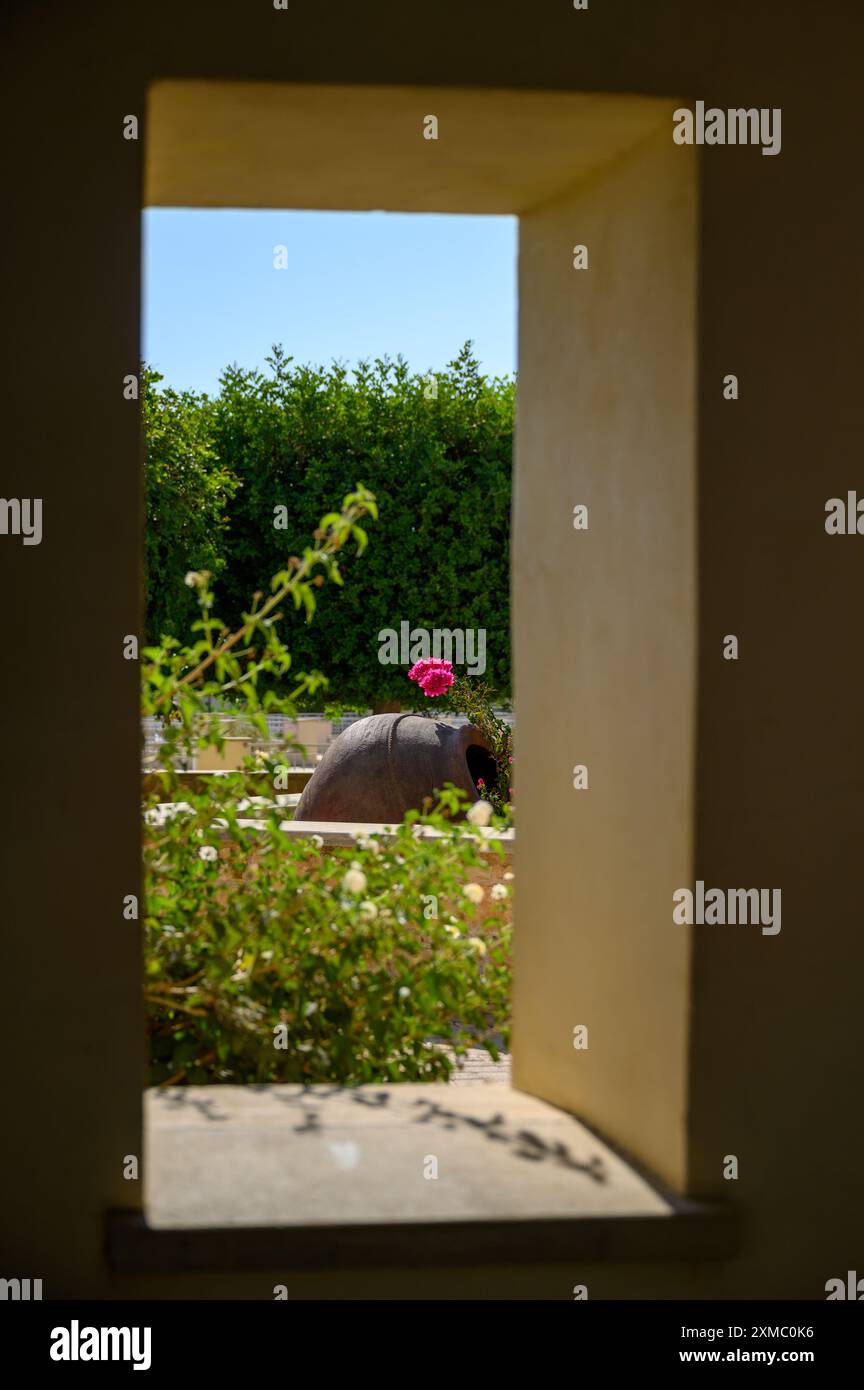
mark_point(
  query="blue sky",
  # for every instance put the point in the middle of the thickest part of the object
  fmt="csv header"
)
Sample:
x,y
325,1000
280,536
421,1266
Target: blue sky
x,y
357,284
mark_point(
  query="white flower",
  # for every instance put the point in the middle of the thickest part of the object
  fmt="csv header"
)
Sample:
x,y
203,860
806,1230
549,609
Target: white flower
x,y
364,842
451,930
354,882
477,945
317,840
473,892
309,1010
208,853
499,892
508,877
404,991
480,813
368,910
192,579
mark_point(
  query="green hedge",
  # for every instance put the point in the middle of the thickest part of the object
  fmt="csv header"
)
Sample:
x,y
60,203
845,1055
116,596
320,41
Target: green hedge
x,y
187,495
437,457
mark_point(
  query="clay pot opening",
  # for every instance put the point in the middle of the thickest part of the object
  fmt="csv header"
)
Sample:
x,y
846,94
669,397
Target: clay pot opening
x,y
481,765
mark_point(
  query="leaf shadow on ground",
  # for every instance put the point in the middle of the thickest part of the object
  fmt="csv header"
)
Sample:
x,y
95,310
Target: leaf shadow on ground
x,y
309,1105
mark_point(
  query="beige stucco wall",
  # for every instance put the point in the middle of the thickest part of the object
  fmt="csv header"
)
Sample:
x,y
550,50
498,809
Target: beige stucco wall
x,y
605,647
274,144
234,750
311,733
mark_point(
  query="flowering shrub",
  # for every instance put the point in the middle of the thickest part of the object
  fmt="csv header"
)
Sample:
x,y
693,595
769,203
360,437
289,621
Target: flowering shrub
x,y
267,957
433,676
273,961
467,696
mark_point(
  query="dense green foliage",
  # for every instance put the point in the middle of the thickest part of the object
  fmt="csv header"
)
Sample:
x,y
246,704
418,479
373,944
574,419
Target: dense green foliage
x,y
268,959
436,453
187,493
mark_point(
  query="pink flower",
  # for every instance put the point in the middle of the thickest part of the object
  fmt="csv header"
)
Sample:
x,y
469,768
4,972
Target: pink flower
x,y
480,782
433,676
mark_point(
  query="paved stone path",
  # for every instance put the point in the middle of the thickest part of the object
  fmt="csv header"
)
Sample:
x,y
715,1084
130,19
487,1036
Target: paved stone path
x,y
477,1065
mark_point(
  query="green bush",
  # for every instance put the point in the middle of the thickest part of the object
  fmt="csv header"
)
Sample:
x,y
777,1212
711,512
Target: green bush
x,y
267,960
277,962
438,461
187,492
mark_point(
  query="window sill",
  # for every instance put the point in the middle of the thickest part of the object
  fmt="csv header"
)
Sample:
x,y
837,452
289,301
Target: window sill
x,y
252,1177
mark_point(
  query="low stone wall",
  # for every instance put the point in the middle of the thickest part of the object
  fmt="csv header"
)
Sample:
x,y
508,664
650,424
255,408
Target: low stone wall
x,y
295,778
337,833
